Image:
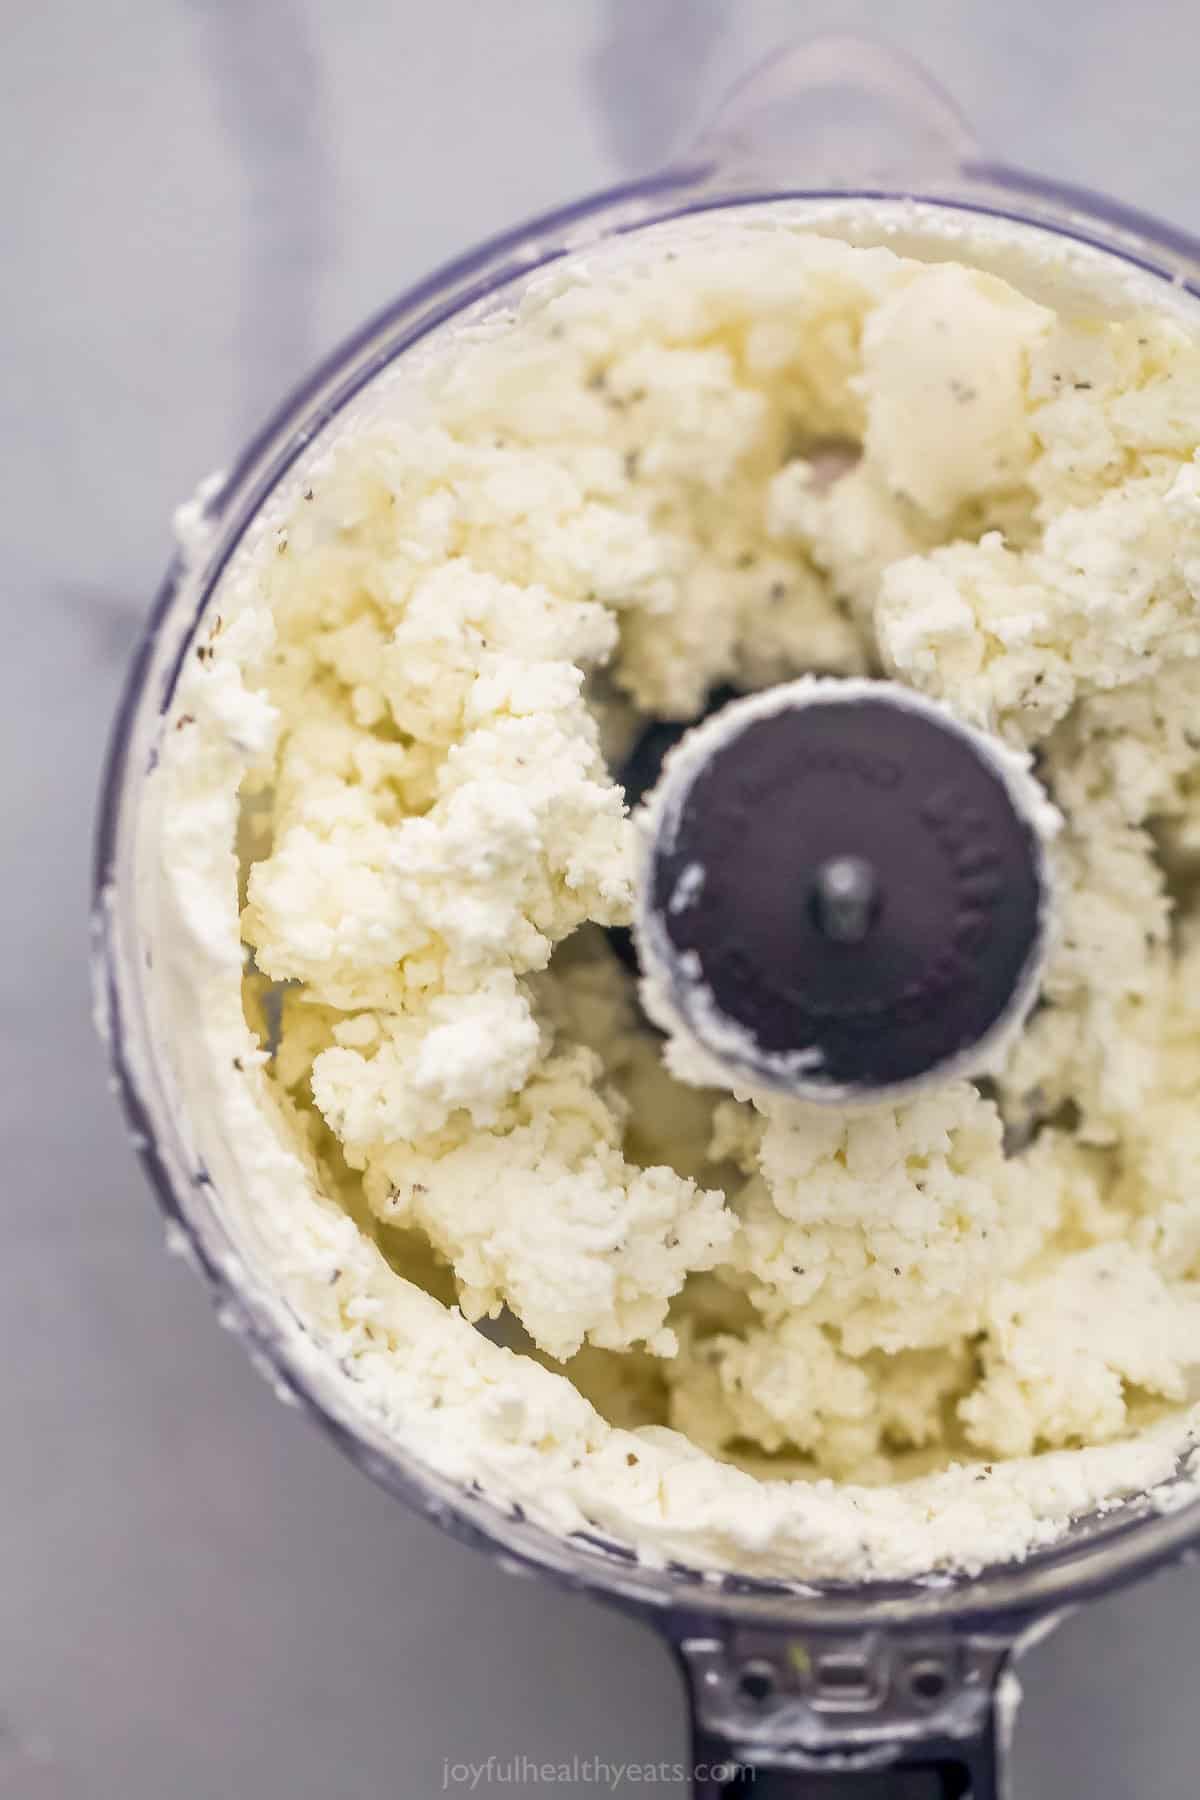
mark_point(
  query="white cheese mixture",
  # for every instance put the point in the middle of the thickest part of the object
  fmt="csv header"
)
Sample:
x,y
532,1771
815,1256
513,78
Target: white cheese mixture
x,y
740,1331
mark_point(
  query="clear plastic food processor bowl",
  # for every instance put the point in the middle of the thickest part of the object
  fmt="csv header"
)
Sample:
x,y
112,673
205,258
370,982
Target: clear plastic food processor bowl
x,y
899,1689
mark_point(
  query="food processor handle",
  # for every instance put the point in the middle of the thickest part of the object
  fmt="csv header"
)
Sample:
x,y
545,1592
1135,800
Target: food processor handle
x,y
842,111
843,114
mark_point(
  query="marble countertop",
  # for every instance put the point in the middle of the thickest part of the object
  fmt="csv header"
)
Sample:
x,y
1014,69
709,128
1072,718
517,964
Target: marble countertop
x,y
200,1597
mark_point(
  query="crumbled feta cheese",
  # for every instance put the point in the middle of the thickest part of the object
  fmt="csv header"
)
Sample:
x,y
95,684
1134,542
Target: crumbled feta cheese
x,y
429,1089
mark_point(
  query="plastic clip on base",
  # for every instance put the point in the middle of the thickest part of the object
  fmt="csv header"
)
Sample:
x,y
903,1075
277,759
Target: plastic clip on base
x,y
848,1715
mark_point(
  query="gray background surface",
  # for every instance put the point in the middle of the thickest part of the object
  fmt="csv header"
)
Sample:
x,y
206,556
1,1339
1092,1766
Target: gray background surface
x,y
199,1598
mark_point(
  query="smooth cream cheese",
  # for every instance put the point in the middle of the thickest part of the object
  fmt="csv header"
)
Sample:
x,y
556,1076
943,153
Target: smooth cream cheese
x,y
739,1330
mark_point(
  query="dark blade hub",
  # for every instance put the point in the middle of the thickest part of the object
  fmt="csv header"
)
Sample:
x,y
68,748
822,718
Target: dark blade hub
x,y
844,890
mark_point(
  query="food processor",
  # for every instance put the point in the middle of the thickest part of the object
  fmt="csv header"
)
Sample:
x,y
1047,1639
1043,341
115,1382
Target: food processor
x,y
899,1689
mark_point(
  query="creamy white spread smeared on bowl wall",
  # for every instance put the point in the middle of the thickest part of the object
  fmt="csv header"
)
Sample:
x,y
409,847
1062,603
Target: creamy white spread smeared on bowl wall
x,y
734,1329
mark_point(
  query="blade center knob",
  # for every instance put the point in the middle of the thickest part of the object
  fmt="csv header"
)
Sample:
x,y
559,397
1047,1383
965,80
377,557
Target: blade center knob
x,y
846,898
